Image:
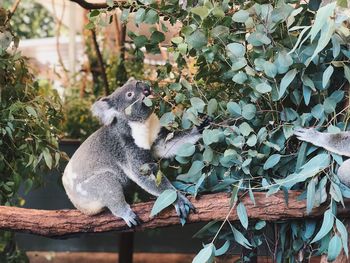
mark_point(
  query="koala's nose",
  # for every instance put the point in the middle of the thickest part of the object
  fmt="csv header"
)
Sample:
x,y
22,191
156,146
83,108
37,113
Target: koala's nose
x,y
147,91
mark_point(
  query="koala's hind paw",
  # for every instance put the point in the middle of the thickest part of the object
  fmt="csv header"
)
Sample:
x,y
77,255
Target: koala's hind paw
x,y
183,207
132,219
307,135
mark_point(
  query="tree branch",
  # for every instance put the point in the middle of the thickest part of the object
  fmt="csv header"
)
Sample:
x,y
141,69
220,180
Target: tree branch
x,y
100,62
90,6
61,223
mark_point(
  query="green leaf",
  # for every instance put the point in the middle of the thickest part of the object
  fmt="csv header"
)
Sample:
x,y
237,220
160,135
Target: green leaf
x,y
47,157
186,150
310,198
218,12
326,34
240,239
201,11
157,37
272,161
344,235
166,198
212,107
285,82
260,225
234,109
327,225
196,168
240,77
197,39
315,165
236,49
140,41
317,111
220,31
198,104
252,140
245,129
31,111
347,72
334,248
263,87
327,75
139,16
175,86
167,118
211,136
147,101
270,69
221,251
177,40
151,17
125,15
240,16
206,255
208,155
242,215
248,111
321,19
94,13
258,39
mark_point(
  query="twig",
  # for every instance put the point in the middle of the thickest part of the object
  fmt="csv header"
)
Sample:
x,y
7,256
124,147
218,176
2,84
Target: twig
x,y
90,6
58,34
12,11
100,61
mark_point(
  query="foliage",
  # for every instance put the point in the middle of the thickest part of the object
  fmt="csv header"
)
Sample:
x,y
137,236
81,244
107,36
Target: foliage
x,y
261,70
28,121
31,20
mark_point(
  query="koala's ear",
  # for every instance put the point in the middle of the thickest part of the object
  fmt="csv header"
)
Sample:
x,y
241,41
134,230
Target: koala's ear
x,y
104,112
131,79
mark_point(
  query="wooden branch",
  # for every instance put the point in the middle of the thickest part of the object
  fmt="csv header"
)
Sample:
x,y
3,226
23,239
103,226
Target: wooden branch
x,y
90,6
61,223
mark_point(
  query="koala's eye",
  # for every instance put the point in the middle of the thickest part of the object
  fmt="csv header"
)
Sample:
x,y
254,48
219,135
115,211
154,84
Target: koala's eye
x,y
130,94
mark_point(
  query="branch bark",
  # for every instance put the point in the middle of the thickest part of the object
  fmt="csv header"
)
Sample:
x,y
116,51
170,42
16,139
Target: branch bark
x,y
90,6
61,223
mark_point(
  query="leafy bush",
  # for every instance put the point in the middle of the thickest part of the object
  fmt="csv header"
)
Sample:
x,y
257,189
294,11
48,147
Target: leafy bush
x,y
31,20
260,70
29,137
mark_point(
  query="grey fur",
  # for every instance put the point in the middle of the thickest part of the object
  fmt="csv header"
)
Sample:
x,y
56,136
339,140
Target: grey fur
x,y
338,143
102,167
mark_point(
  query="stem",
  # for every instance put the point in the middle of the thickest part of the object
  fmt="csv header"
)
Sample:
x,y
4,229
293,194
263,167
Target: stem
x,y
12,11
100,62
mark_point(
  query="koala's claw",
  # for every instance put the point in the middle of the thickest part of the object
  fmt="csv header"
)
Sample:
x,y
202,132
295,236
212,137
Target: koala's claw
x,y
183,207
303,134
132,219
205,122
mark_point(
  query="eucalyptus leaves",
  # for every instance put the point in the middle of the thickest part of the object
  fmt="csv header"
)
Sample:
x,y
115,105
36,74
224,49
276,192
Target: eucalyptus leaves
x,y
260,70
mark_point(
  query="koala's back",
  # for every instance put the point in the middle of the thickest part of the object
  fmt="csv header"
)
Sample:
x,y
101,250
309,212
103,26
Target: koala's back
x,y
100,155
96,152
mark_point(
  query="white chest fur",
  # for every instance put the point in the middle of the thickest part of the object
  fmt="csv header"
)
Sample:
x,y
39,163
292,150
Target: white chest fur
x,y
145,133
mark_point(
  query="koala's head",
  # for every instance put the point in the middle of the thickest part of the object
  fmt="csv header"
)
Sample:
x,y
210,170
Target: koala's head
x,y
126,102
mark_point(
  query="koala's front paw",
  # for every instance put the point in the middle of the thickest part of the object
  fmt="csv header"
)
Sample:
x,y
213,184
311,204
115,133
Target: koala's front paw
x,y
149,168
183,207
132,219
206,121
307,135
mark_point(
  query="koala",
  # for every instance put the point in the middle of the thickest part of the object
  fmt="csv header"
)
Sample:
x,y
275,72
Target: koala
x,y
106,162
338,143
